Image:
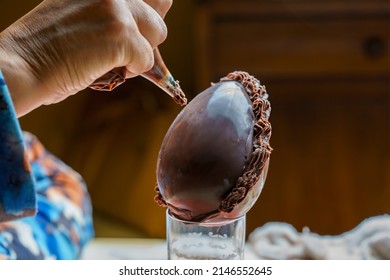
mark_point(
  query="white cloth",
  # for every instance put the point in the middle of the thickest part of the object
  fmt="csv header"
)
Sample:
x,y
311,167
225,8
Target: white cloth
x,y
369,240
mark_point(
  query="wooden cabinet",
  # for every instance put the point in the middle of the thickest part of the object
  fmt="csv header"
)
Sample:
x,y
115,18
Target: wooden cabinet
x,y
326,67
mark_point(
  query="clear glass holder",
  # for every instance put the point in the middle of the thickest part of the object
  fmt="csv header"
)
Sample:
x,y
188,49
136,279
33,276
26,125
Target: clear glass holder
x,y
205,241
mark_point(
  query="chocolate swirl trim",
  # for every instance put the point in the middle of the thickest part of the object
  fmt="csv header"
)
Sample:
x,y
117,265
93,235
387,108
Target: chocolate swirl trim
x,y
262,133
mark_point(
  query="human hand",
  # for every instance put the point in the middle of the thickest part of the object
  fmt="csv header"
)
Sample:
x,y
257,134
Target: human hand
x,y
62,46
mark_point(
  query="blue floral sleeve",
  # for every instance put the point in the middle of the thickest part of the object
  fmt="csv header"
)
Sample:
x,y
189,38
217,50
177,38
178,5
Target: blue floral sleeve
x,y
17,192
45,209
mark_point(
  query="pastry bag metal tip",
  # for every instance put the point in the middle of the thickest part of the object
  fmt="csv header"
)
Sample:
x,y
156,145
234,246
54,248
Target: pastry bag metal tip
x,y
165,81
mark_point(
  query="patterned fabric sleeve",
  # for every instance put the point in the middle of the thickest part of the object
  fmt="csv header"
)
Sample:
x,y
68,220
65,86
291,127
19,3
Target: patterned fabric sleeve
x,y
17,192
63,223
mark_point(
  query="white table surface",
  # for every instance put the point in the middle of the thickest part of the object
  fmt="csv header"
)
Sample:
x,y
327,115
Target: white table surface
x,y
132,249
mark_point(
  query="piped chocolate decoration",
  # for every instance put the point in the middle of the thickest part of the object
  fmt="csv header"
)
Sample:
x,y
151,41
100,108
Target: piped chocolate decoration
x,y
214,158
262,134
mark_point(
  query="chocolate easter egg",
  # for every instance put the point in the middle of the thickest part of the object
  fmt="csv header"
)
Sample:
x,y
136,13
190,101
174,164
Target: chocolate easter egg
x,y
214,158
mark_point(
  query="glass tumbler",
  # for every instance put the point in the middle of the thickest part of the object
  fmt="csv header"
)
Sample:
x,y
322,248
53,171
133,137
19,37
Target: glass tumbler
x,y
205,241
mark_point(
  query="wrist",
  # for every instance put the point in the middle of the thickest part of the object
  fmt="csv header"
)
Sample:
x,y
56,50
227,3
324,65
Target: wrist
x,y
18,75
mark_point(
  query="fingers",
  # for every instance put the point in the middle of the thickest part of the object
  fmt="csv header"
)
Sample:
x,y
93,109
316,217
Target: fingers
x,y
145,30
152,32
141,59
160,6
151,25
139,53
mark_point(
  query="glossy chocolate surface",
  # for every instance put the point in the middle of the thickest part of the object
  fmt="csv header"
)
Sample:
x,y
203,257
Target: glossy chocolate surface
x,y
205,151
214,159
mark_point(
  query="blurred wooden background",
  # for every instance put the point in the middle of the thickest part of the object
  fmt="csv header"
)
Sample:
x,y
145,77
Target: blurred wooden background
x,y
326,66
